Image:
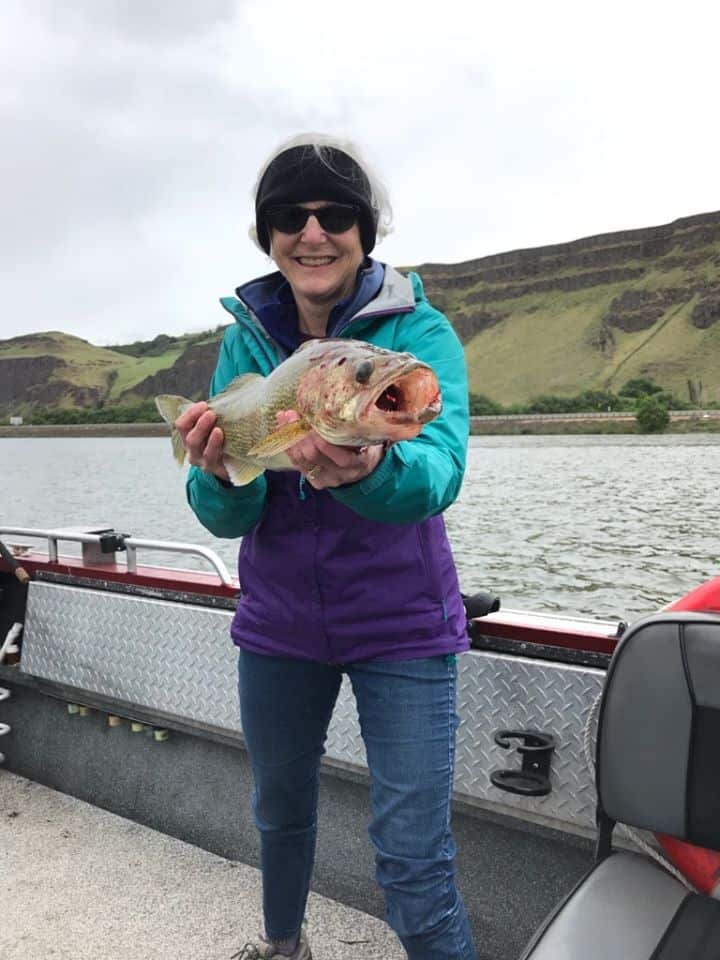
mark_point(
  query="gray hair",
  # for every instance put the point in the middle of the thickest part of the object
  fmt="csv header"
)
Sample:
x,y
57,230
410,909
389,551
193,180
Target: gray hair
x,y
321,143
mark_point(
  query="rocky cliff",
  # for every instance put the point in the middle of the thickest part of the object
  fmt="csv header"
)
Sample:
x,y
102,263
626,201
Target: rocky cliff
x,y
590,313
57,370
586,314
54,369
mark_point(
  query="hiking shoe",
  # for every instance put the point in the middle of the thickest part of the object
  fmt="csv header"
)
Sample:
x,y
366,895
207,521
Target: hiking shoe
x,y
261,949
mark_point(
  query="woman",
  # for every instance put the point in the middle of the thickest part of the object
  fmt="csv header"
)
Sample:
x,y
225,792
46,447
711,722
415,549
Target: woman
x,y
344,566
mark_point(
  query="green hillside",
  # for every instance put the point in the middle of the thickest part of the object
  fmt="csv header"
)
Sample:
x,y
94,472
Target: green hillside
x,y
56,370
590,314
586,315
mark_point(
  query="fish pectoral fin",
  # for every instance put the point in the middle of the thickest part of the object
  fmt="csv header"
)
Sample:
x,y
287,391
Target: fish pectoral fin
x,y
280,439
242,471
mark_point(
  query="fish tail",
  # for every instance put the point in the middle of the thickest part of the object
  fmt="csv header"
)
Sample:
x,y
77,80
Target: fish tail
x,y
170,408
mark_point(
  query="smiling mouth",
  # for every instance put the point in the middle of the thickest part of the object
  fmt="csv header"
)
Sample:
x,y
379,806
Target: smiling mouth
x,y
315,261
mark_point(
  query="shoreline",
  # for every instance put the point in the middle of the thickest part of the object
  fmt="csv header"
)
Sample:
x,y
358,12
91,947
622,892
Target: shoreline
x,y
681,422
86,430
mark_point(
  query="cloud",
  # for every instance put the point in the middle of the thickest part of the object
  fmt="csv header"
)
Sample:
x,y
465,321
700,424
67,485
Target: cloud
x,y
132,133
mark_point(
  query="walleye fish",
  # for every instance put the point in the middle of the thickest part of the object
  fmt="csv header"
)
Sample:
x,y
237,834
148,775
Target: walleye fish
x,y
349,391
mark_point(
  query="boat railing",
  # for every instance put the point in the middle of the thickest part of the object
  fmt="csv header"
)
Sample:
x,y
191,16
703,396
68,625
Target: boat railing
x,y
101,545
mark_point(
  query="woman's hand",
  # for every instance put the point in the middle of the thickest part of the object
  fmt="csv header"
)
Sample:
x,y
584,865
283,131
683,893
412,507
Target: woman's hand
x,y
202,439
326,465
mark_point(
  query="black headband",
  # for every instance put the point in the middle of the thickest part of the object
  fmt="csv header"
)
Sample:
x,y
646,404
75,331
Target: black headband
x,y
299,175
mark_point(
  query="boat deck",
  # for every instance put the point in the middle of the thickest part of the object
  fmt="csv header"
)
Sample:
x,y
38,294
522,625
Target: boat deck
x,y
511,871
79,883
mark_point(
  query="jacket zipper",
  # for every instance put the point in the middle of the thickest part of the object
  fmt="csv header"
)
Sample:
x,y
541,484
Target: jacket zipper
x,y
259,334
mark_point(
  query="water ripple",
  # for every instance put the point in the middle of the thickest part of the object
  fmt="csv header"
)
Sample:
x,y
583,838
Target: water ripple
x,y
602,526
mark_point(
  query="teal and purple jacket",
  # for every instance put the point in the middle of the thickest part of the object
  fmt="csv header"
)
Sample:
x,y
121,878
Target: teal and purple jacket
x,y
362,571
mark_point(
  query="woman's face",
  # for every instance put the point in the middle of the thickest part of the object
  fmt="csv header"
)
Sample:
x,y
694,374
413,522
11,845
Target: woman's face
x,y
320,267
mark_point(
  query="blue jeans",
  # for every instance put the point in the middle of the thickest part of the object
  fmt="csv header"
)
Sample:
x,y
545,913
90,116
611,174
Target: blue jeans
x,y
408,723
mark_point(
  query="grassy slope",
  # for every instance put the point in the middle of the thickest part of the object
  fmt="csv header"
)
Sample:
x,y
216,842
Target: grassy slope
x,y
545,343
71,349
86,364
138,368
532,351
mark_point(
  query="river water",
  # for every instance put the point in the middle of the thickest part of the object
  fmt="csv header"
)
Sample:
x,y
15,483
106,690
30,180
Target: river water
x,y
607,526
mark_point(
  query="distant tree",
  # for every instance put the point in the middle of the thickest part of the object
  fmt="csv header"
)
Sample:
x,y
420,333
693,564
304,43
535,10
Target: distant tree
x,y
597,400
652,415
671,401
640,387
549,403
145,412
482,406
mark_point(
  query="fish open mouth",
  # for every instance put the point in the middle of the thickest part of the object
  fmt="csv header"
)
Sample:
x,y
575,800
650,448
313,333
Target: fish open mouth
x,y
411,397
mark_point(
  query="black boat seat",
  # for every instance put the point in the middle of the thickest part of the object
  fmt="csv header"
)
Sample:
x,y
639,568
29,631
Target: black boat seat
x,y
657,768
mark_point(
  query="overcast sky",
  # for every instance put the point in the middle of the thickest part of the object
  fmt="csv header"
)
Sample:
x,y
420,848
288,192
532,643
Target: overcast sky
x,y
132,131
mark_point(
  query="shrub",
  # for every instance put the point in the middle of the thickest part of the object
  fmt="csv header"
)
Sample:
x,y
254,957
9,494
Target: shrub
x,y
603,400
482,406
640,387
549,403
652,415
145,412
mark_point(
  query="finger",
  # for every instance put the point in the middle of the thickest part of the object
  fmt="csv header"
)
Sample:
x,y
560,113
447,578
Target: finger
x,y
187,420
342,456
327,472
286,416
197,438
304,451
214,447
197,433
310,461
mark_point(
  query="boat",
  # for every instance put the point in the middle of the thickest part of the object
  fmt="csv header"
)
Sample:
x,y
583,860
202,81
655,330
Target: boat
x,y
119,680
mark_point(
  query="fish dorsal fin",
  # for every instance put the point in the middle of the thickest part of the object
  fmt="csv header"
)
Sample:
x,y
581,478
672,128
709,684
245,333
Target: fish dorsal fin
x,y
242,381
241,471
280,439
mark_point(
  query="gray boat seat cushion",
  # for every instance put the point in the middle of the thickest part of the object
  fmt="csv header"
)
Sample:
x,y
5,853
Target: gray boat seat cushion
x,y
620,911
658,768
658,749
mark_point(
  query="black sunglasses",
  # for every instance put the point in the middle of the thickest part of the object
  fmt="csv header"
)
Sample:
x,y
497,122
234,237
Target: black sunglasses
x,y
333,218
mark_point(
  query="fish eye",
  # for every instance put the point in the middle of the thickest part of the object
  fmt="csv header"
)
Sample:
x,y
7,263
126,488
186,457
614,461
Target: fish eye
x,y
364,370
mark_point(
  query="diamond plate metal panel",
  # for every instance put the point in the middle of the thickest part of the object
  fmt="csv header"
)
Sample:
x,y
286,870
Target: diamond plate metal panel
x,y
167,656
503,692
179,659
497,691
344,741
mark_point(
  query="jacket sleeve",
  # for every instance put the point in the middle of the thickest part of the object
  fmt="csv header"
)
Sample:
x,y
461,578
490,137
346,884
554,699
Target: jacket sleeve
x,y
226,511
421,477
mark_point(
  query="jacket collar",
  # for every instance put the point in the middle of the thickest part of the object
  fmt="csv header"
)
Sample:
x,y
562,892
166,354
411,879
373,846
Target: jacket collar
x,y
379,290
